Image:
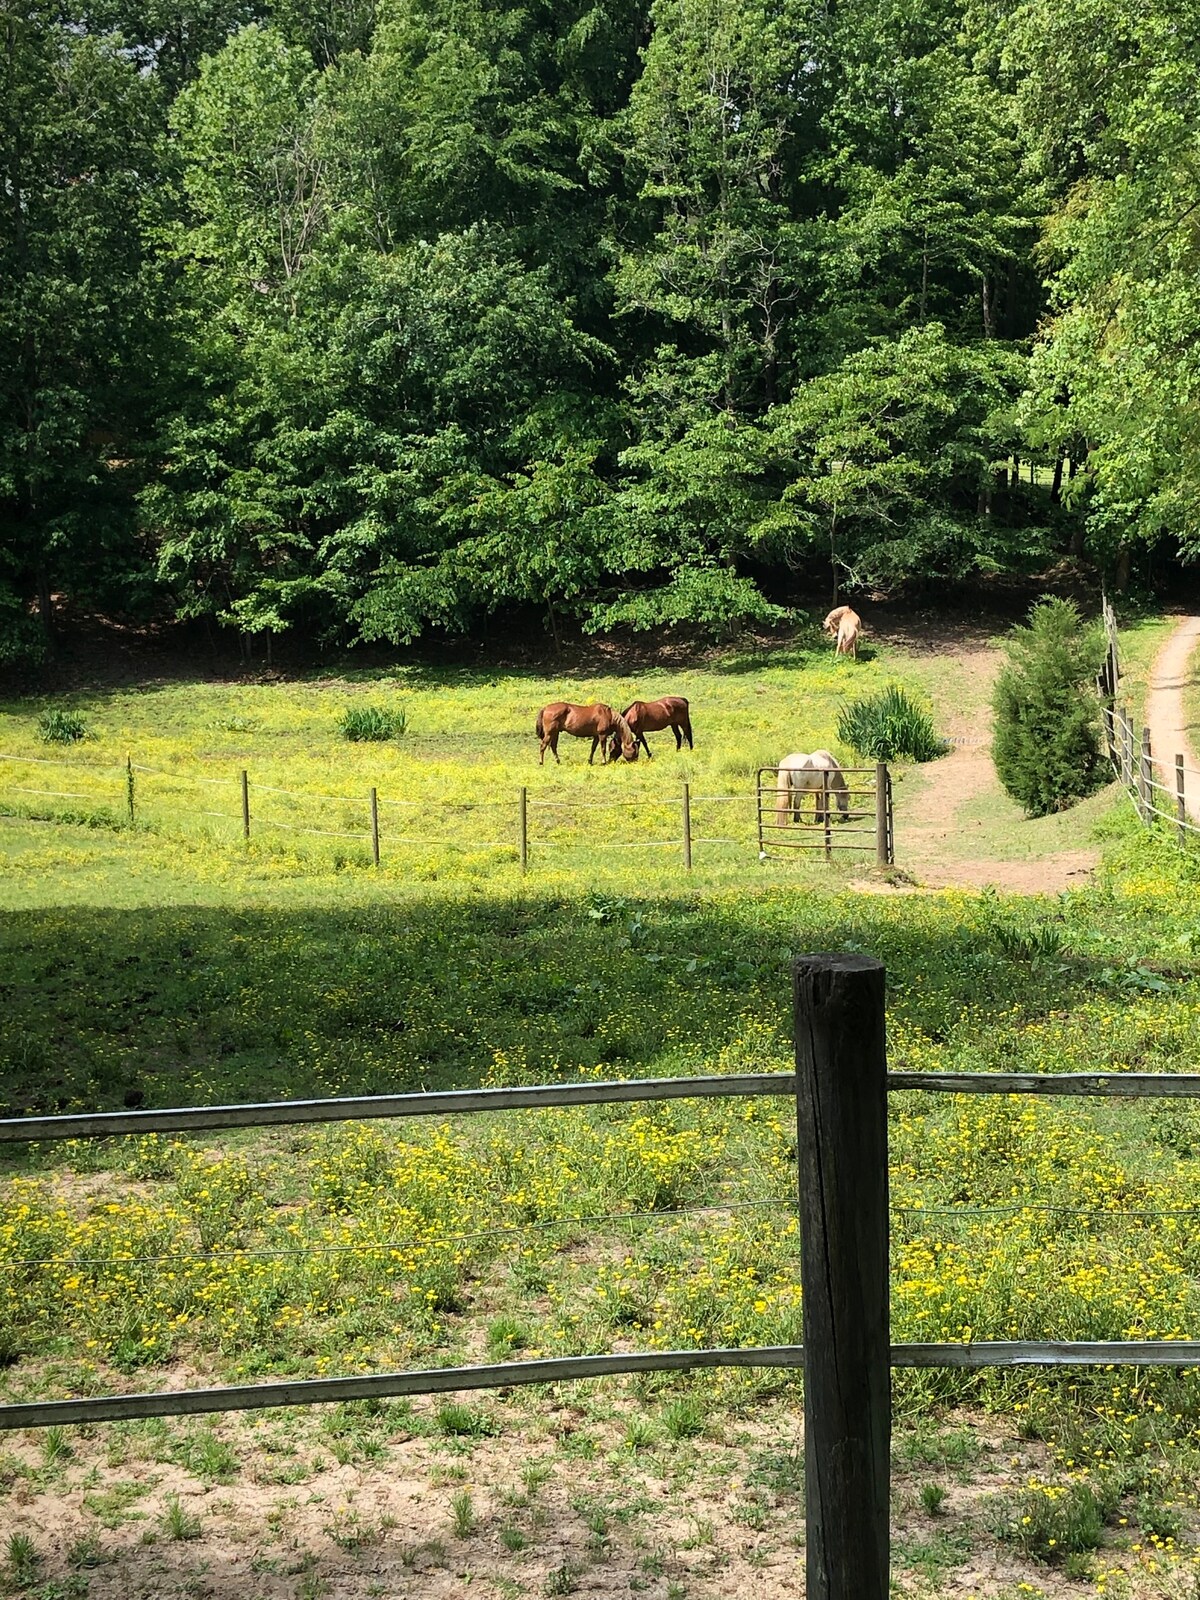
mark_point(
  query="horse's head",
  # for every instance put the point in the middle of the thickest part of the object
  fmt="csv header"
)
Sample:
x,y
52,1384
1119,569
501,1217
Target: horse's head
x,y
841,788
625,740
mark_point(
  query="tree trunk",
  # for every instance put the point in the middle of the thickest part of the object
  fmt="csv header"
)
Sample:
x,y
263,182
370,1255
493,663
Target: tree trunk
x,y
1124,567
989,316
1056,486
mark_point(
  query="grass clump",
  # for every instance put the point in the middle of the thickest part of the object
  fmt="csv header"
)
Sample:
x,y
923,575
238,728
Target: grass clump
x,y
1046,746
1052,1521
372,724
61,727
889,725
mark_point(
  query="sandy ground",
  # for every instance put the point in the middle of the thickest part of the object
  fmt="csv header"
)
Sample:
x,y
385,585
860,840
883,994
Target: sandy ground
x,y
1174,671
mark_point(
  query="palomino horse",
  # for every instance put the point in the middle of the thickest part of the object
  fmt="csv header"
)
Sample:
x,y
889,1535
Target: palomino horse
x,y
652,716
817,774
844,624
595,722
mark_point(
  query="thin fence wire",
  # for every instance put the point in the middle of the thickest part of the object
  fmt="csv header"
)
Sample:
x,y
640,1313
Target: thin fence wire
x,y
51,761
57,794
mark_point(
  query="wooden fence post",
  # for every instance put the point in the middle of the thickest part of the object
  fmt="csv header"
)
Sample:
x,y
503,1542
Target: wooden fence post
x,y
1180,801
1146,779
129,786
375,825
523,828
758,807
841,1119
687,828
882,826
245,804
825,813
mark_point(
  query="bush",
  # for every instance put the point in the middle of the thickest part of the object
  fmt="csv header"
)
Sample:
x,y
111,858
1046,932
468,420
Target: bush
x,y
61,727
887,725
1046,746
372,723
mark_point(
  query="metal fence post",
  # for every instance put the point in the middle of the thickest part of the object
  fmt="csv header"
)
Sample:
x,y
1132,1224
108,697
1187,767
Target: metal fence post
x,y
375,825
1146,779
882,851
245,804
825,813
523,828
687,828
758,798
841,1119
1180,801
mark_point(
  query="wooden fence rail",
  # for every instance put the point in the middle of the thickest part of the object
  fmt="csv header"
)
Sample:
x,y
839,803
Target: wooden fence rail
x,y
840,1086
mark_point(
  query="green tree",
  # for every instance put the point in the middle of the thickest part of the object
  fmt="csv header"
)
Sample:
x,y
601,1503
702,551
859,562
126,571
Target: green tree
x,y
1046,745
77,346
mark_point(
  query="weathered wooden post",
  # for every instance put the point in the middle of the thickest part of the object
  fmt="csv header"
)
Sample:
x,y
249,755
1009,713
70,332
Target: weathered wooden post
x,y
375,825
129,786
1146,779
245,804
841,1119
758,806
523,828
1180,802
1126,759
825,813
882,828
687,828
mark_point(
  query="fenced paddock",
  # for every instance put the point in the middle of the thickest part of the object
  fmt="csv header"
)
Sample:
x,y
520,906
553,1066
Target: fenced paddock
x,y
840,1088
528,827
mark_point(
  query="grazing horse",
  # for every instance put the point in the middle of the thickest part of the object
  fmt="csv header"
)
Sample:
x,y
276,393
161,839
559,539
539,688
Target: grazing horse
x,y
652,716
595,722
844,624
817,774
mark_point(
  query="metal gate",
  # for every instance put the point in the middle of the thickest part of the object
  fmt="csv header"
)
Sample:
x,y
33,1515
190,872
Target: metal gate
x,y
855,814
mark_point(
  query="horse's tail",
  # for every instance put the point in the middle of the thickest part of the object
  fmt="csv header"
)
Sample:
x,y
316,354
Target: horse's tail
x,y
685,722
540,730
783,795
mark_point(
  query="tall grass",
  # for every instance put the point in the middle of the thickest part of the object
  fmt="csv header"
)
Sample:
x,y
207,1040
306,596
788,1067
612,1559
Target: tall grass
x,y
890,725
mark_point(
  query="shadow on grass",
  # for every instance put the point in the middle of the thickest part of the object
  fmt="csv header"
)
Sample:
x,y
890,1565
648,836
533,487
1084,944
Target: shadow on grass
x,y
169,1005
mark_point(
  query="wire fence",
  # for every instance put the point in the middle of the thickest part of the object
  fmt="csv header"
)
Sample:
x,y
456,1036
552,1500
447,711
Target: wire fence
x,y
519,826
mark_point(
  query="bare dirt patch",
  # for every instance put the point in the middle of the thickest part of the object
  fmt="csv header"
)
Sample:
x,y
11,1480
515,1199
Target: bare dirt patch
x,y
955,826
558,1500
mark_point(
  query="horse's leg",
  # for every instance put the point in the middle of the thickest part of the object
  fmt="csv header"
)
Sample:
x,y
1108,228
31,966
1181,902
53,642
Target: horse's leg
x,y
554,747
641,739
592,756
783,799
678,736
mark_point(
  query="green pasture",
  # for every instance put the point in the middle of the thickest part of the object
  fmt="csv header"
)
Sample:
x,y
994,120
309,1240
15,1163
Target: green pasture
x,y
447,788
157,967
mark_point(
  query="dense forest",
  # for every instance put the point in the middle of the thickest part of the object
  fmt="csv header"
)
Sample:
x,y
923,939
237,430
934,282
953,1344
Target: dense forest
x,y
348,319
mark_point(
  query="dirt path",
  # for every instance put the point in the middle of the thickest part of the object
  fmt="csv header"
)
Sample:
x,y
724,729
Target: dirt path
x,y
1174,671
955,826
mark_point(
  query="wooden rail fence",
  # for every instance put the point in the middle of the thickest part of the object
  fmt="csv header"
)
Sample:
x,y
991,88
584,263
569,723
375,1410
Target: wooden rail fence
x,y
840,1088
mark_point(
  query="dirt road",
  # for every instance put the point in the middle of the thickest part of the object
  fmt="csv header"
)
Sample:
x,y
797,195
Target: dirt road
x,y
1174,671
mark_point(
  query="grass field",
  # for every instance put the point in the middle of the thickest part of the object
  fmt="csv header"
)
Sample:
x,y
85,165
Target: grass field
x,y
168,968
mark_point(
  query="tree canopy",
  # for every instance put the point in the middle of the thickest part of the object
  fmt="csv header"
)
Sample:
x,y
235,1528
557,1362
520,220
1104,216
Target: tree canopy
x,y
354,321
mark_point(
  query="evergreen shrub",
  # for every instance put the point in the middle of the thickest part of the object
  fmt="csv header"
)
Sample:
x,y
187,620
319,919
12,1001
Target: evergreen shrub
x,y
1046,745
888,725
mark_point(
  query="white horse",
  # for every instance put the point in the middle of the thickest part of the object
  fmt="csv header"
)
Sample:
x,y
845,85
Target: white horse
x,y
844,625
817,774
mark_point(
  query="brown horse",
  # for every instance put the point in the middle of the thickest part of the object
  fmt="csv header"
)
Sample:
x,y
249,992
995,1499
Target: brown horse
x,y
597,722
652,716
